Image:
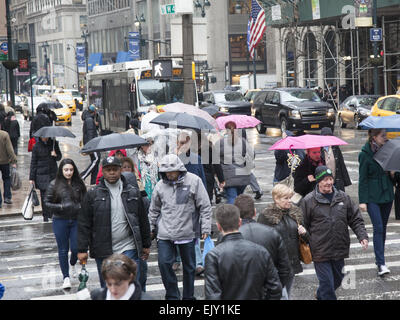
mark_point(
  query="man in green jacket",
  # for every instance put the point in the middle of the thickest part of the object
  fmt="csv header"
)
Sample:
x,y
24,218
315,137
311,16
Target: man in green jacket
x,y
7,157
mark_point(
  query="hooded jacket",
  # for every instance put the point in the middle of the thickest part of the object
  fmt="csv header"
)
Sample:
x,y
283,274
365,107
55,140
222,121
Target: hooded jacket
x,y
89,127
179,210
110,154
327,224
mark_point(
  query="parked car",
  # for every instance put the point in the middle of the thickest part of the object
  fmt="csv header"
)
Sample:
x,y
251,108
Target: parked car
x,y
387,106
355,109
27,109
229,102
292,109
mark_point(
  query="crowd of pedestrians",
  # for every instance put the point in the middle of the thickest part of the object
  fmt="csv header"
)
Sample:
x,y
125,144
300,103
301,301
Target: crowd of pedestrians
x,y
138,197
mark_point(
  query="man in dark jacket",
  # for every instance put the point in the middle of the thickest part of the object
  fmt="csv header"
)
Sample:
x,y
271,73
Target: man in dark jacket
x,y
328,213
333,159
12,127
263,235
41,119
113,220
90,132
238,269
304,181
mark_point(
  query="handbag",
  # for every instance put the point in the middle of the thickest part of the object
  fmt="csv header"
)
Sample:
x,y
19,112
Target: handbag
x,y
305,252
31,143
15,179
35,198
28,208
208,245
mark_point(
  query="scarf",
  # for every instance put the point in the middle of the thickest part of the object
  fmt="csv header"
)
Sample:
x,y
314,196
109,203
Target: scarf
x,y
375,147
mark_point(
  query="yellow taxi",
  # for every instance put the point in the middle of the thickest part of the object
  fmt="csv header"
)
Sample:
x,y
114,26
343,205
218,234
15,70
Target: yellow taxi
x,y
62,112
66,98
387,106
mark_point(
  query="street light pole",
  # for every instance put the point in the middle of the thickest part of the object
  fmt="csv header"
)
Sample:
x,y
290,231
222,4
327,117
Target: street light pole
x,y
138,24
10,53
375,48
46,61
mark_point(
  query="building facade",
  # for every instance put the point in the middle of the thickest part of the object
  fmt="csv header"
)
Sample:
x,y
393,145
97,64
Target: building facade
x,y
3,37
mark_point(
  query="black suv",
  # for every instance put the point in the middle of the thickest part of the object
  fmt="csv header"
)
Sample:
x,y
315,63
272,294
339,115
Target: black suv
x,y
292,109
229,102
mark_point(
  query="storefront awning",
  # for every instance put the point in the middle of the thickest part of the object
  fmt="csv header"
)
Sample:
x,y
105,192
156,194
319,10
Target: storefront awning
x,y
95,59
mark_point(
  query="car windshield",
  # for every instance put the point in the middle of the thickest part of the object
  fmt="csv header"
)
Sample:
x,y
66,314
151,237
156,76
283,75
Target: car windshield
x,y
55,105
61,97
159,93
367,102
299,95
221,97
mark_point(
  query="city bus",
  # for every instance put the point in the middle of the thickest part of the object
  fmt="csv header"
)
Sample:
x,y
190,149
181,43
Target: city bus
x,y
121,90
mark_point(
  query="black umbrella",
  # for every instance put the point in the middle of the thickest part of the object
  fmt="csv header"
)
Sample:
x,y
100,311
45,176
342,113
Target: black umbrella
x,y
52,131
213,110
113,141
183,121
388,156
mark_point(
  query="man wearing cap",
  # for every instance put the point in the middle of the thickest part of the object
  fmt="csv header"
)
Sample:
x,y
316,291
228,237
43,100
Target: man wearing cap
x,y
328,213
90,132
113,220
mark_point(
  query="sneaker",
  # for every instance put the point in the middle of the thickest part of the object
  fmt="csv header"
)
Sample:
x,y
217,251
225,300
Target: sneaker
x,y
67,283
199,270
8,201
73,271
383,270
258,195
176,266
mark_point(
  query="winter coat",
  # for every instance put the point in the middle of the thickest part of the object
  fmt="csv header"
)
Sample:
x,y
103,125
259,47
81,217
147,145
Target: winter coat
x,y
12,127
282,169
342,178
138,294
286,223
40,120
67,203
238,269
374,184
211,169
327,224
179,210
271,240
94,222
301,183
43,164
89,128
237,161
7,154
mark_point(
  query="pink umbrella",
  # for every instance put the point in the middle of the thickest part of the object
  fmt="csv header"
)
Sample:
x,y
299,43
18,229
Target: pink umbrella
x,y
307,141
242,121
189,109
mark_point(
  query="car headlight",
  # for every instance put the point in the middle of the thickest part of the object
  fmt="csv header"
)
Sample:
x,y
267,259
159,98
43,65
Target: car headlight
x,y
331,112
364,112
295,114
223,109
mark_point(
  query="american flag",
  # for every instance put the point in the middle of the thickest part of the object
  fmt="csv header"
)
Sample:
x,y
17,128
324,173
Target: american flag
x,y
255,27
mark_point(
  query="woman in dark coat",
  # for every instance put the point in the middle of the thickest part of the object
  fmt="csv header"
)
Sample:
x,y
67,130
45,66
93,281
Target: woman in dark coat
x,y
287,219
12,127
45,155
63,198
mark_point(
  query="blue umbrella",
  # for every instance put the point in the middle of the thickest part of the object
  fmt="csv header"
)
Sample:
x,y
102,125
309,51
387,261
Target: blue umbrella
x,y
390,123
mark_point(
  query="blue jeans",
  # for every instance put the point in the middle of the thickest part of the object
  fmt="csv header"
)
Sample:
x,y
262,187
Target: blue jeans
x,y
166,258
130,254
143,274
233,192
199,256
5,175
379,214
66,232
330,276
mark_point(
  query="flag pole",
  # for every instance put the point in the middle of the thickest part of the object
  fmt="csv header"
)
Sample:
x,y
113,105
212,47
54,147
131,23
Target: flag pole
x,y
254,69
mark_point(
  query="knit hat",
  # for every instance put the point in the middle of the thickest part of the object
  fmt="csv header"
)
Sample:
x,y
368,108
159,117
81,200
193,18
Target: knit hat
x,y
321,172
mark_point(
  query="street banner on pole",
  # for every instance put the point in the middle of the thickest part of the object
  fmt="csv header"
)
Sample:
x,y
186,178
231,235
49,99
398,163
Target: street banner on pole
x,y
80,57
363,13
3,51
134,46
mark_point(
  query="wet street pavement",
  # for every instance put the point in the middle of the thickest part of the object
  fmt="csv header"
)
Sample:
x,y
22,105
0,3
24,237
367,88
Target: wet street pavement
x,y
29,267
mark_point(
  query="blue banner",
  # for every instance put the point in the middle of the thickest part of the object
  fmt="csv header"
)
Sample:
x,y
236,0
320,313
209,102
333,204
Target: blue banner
x,y
80,57
134,46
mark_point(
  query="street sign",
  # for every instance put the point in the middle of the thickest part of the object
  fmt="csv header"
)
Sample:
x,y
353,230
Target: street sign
x,y
167,9
4,51
162,69
375,34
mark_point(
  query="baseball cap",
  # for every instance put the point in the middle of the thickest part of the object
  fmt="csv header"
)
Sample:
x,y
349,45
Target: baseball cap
x,y
92,107
321,172
111,161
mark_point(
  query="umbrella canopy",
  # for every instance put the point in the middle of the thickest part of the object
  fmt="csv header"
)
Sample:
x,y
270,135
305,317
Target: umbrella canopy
x,y
113,141
183,121
213,110
307,141
388,156
52,131
390,123
189,109
242,121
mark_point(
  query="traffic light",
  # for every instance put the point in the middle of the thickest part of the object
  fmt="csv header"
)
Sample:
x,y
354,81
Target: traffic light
x,y
23,60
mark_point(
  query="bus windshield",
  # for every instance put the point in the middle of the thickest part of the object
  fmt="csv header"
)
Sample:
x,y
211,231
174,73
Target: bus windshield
x,y
159,93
